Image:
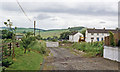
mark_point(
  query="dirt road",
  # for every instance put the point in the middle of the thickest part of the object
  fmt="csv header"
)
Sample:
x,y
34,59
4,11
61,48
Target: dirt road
x,y
64,59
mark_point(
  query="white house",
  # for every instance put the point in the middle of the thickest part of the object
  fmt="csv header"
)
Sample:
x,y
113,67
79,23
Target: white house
x,y
75,36
19,37
93,35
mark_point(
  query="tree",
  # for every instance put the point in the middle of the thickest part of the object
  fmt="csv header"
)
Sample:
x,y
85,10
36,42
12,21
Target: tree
x,y
65,35
27,40
24,32
10,33
55,38
83,32
38,37
49,38
119,43
112,43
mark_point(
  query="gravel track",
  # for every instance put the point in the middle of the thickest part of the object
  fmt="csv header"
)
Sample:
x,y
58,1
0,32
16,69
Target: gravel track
x,y
63,59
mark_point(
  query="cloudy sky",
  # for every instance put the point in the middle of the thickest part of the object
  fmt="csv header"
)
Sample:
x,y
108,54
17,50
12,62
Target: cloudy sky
x,y
61,14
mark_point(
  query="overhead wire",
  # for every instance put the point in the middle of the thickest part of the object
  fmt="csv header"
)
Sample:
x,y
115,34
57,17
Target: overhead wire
x,y
23,11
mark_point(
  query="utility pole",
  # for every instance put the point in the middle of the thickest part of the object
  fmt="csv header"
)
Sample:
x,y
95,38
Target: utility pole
x,y
34,27
39,32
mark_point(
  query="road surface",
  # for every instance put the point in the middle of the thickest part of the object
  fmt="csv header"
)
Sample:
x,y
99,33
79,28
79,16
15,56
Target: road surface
x,y
64,59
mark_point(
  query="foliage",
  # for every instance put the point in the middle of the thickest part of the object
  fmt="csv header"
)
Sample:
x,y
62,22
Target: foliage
x,y
27,40
10,33
119,43
54,38
112,40
38,37
5,50
7,34
38,46
24,32
65,35
7,62
95,48
83,32
66,41
29,61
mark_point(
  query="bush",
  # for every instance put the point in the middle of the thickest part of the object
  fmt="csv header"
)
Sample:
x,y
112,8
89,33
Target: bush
x,y
38,37
27,40
65,41
96,48
112,43
6,63
119,43
39,46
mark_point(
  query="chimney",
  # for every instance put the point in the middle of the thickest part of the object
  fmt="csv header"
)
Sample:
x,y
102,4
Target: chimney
x,y
117,29
104,28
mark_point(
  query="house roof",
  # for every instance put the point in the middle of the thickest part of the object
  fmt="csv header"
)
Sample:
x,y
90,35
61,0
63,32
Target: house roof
x,y
73,33
102,30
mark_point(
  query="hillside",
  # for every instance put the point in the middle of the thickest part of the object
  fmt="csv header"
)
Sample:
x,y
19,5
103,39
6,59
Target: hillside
x,y
47,33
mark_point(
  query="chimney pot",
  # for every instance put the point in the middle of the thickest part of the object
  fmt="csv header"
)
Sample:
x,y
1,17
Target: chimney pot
x,y
104,28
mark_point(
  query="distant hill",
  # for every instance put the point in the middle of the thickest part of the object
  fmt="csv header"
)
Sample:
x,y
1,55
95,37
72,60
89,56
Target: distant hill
x,y
76,28
47,33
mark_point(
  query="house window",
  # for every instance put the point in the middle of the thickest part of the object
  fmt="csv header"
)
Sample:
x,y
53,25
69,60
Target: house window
x,y
97,33
97,39
101,39
102,33
92,37
92,33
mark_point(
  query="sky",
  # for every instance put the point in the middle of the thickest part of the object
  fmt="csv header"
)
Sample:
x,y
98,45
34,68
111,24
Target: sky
x,y
61,14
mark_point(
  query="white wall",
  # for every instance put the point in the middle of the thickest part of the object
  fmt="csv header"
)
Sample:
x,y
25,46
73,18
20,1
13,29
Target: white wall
x,y
112,53
71,38
88,36
52,44
75,38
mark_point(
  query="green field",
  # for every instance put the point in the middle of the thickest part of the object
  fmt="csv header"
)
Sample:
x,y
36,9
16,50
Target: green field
x,y
52,33
47,33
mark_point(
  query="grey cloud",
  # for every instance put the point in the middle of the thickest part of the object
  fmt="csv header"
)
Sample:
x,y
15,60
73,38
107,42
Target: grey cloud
x,y
10,6
102,22
42,16
51,7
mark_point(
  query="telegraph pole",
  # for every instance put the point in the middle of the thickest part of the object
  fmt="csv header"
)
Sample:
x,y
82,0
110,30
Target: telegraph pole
x,y
34,27
39,31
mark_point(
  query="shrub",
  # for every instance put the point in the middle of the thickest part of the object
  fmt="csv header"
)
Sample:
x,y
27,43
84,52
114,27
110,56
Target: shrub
x,y
38,37
39,46
6,63
95,48
65,41
27,40
112,43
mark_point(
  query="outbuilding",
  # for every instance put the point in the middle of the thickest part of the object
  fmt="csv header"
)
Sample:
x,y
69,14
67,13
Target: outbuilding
x,y
76,37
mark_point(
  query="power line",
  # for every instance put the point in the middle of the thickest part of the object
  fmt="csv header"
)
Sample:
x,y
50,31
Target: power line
x,y
23,11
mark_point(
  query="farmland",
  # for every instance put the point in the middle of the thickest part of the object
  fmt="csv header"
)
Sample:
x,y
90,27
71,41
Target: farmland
x,y
47,33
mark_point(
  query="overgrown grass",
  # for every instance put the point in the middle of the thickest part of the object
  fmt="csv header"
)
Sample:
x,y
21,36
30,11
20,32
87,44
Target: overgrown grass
x,y
91,49
39,46
31,60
